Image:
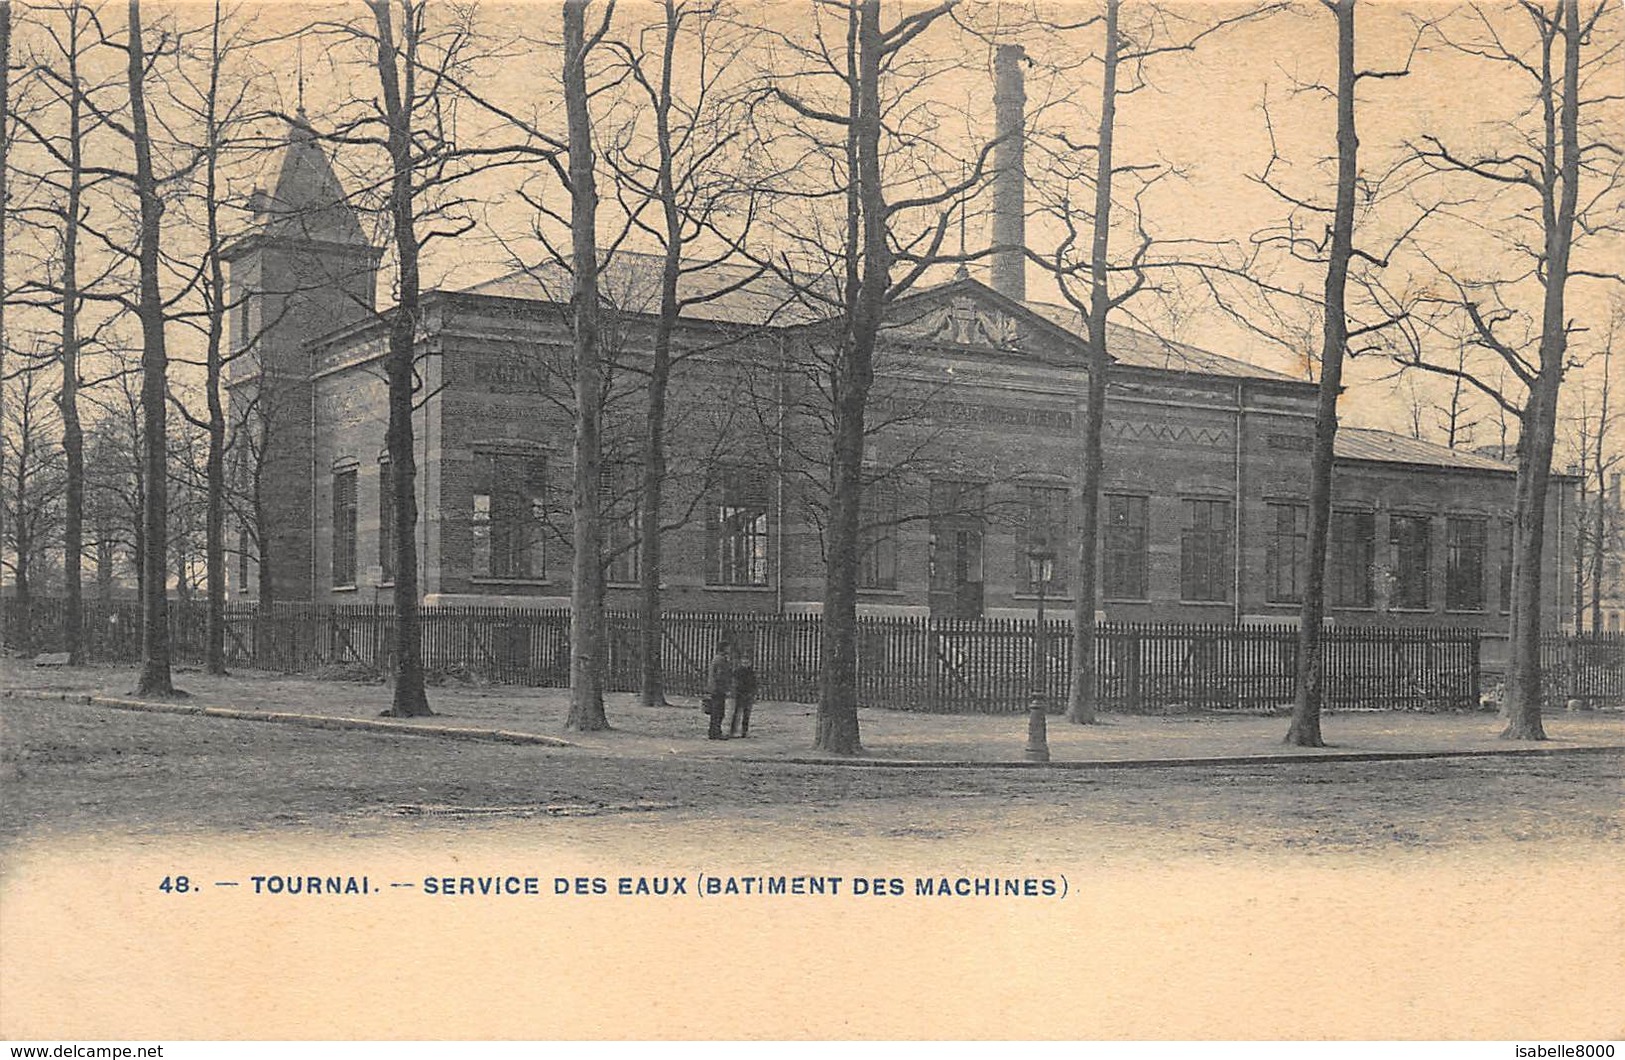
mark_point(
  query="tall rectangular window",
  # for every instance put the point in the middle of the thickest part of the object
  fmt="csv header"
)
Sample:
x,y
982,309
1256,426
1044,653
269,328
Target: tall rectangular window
x,y
1351,551
1204,555
1464,563
1123,574
509,495
386,521
958,515
618,503
877,520
1286,554
739,529
244,319
1043,513
344,528
1506,565
1411,539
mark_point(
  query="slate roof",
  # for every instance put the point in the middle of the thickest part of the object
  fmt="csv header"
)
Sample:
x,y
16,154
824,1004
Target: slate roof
x,y
1363,443
632,283
307,200
1142,350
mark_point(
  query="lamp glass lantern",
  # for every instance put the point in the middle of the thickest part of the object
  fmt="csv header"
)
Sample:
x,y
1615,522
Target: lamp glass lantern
x,y
1040,566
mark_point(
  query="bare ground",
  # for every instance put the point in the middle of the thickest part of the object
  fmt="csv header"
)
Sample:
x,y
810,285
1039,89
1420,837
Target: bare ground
x,y
784,730
71,768
1287,899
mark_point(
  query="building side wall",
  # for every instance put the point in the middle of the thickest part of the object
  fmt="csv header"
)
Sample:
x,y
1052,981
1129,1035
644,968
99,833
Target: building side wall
x,y
352,413
937,414
287,294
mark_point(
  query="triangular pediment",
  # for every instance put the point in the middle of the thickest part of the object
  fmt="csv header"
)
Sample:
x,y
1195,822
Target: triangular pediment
x,y
967,315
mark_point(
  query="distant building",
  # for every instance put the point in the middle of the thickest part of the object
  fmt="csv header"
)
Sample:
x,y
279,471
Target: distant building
x,y
973,446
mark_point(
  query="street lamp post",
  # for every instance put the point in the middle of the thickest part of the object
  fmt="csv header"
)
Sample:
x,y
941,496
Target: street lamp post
x,y
1040,568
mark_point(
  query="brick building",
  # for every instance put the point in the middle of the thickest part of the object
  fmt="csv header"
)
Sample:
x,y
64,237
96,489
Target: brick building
x,y
971,456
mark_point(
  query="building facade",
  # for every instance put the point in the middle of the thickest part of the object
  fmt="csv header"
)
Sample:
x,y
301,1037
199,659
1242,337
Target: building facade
x,y
971,457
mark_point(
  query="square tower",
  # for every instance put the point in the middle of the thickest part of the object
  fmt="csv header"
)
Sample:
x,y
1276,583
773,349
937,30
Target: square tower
x,y
303,270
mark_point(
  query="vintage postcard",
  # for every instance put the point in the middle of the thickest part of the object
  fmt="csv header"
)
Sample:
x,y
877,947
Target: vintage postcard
x,y
824,520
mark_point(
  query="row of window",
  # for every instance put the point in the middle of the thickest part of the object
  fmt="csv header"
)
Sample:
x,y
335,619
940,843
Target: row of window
x,y
1354,577
508,525
508,534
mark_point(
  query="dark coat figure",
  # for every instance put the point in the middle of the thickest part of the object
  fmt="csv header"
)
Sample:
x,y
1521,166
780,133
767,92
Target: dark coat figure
x,y
744,697
718,688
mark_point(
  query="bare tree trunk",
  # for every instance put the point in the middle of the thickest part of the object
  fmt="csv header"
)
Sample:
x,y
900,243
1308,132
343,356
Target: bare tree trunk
x,y
265,574
73,436
409,699
1523,704
1081,708
1304,730
214,533
23,543
1580,543
1599,521
653,683
5,217
155,677
587,580
21,537
138,544
183,565
265,579
837,723
653,680
104,576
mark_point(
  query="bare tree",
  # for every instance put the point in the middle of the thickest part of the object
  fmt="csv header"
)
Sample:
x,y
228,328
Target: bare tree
x,y
587,576
1093,279
31,492
5,224
1604,459
1595,421
893,229
1308,690
1335,282
1555,180
68,117
115,474
73,439
421,55
218,110
112,505
155,679
678,168
398,74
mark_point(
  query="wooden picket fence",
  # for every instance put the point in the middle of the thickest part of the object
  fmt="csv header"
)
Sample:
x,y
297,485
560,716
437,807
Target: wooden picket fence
x,y
946,666
1589,667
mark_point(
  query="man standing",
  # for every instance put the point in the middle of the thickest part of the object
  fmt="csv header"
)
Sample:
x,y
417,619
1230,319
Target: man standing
x,y
721,684
744,697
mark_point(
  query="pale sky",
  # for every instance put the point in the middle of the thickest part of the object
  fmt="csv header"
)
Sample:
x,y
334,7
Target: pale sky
x,y
1202,112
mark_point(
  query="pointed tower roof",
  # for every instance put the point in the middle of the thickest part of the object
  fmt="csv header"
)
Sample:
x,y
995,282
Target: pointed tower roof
x,y
308,202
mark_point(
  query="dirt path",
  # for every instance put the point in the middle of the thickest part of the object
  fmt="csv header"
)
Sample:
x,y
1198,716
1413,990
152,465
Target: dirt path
x,y
1362,900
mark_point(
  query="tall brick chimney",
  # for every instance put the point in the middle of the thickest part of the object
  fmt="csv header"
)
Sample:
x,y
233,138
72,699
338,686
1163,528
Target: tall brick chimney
x,y
1009,173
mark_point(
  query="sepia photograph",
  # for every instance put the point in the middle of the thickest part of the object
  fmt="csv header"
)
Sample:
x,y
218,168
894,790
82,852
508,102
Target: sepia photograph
x,y
1136,484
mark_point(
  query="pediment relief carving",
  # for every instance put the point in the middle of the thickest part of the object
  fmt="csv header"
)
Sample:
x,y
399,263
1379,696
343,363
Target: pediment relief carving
x,y
964,321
